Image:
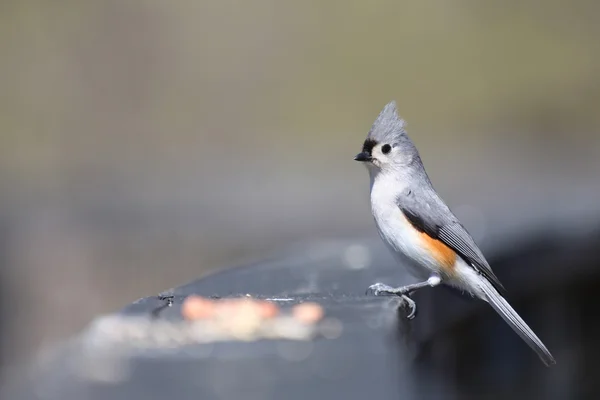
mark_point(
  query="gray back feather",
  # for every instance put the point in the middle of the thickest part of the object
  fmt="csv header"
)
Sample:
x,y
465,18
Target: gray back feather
x,y
423,207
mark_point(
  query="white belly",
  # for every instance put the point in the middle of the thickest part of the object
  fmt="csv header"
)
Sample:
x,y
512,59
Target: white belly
x,y
398,233
408,244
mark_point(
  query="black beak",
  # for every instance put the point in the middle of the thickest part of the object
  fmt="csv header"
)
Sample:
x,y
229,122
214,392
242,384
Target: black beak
x,y
364,156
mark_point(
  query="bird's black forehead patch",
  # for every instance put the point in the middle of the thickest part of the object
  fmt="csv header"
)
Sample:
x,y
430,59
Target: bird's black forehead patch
x,y
368,146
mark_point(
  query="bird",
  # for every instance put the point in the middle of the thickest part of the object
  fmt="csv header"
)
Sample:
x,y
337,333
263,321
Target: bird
x,y
420,229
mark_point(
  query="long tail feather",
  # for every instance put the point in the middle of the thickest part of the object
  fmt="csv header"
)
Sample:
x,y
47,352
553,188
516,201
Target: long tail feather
x,y
510,316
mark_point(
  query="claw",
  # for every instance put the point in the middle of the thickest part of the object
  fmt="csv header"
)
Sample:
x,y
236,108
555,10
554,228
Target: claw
x,y
410,303
378,289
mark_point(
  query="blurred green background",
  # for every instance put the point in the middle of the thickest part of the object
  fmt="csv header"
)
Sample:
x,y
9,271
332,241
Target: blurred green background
x,y
144,143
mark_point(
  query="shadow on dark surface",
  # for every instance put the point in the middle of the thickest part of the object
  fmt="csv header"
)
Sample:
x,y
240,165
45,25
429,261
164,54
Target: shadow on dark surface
x,y
456,348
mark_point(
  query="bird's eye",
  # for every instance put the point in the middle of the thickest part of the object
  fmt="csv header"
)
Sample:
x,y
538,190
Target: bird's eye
x,y
386,148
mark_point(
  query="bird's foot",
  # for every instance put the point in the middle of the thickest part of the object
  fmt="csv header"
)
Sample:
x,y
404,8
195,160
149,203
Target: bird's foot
x,y
380,289
410,304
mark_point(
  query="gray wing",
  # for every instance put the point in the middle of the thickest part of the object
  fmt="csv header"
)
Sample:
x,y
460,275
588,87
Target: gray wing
x,y
429,214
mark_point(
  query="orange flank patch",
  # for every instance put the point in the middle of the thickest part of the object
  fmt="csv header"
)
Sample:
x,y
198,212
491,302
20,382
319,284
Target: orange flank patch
x,y
442,253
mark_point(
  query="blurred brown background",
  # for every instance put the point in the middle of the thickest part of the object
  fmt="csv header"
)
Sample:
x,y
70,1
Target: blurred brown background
x,y
144,143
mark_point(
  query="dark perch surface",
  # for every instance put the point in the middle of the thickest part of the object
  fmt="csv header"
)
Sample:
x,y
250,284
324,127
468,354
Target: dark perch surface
x,y
454,347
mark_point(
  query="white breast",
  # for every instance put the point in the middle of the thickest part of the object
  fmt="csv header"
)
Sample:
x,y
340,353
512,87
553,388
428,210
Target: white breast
x,y
395,230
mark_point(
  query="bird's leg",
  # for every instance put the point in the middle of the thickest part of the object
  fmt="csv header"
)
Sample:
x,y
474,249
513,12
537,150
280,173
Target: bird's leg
x,y
380,289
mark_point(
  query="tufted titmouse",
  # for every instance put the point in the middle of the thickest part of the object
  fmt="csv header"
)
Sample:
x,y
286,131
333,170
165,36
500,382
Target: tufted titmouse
x,y
414,222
